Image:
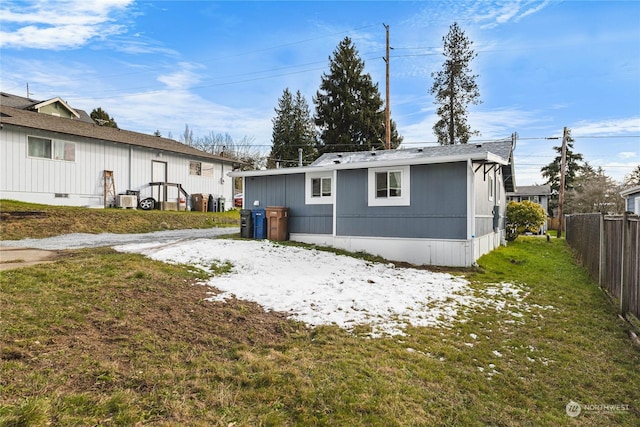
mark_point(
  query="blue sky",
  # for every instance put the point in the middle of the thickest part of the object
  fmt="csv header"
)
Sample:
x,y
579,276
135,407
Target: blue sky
x,y
222,66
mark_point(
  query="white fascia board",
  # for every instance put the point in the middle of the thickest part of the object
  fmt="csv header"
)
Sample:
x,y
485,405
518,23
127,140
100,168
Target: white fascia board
x,y
630,191
281,171
490,157
422,161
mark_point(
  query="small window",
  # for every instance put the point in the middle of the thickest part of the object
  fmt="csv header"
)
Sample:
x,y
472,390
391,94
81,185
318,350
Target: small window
x,y
321,187
389,186
491,188
207,169
195,168
318,188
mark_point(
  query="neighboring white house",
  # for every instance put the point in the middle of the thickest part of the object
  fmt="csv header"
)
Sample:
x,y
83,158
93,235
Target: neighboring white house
x,y
632,199
539,194
441,205
53,154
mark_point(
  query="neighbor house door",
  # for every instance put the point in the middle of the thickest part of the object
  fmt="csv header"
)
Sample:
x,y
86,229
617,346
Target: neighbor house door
x,y
159,174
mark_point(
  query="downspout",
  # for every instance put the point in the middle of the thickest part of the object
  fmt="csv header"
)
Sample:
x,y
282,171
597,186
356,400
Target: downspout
x,y
471,201
471,212
335,204
130,166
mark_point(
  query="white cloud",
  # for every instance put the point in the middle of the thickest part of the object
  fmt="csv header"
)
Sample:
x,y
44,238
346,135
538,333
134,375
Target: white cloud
x,y
58,25
607,127
182,78
627,155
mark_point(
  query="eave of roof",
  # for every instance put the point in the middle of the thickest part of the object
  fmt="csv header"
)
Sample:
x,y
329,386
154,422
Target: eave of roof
x,y
478,156
630,191
74,127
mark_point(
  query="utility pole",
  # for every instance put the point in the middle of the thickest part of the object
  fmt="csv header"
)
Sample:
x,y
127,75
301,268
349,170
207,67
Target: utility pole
x,y
563,170
387,110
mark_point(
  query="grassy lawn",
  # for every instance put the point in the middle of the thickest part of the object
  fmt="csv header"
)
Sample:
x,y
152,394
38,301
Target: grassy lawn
x,y
22,220
105,338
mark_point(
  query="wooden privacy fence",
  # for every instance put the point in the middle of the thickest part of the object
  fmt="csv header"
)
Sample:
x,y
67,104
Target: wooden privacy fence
x,y
608,246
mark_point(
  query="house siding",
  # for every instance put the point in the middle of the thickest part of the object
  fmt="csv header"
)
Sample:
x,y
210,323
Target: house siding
x,y
438,205
288,191
484,222
39,180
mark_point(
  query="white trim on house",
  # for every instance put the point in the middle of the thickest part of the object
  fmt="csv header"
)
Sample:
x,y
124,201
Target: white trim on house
x,y
309,198
405,187
481,156
444,252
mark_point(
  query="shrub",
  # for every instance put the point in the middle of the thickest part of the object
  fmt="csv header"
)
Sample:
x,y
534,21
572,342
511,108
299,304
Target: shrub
x,y
522,217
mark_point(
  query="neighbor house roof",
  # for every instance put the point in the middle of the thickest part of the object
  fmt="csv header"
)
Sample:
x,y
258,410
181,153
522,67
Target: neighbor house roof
x,y
531,190
630,191
499,152
22,103
75,127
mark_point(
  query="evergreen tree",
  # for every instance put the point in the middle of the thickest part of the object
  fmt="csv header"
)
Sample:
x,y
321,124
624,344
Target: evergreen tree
x,y
552,171
103,118
293,128
349,108
633,179
455,88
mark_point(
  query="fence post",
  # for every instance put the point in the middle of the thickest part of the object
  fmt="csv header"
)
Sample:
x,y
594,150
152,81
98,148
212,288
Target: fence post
x,y
602,265
625,285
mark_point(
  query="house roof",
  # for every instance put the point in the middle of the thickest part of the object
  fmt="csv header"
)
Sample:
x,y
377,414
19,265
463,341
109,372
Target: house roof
x,y
531,190
23,103
498,153
630,191
57,100
64,126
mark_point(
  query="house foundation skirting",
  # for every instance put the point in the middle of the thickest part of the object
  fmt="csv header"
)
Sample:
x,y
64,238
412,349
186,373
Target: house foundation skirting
x,y
442,252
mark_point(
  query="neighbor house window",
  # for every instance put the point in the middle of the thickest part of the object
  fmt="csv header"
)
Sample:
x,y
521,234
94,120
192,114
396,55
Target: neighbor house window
x,y
319,188
200,169
207,169
389,186
45,148
195,168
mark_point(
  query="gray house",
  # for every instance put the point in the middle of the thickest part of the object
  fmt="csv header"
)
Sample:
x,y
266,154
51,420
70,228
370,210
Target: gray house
x,y
632,199
54,154
441,205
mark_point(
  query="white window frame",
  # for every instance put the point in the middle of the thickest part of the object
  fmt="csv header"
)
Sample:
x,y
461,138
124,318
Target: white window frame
x,y
491,188
405,187
309,199
57,147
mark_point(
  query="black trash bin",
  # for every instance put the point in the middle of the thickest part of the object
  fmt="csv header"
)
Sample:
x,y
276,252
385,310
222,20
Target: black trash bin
x,y
211,207
246,224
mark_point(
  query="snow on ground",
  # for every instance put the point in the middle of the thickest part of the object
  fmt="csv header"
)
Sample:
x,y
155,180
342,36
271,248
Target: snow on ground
x,y
319,287
313,286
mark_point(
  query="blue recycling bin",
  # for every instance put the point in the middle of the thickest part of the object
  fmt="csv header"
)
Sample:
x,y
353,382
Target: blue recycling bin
x,y
259,223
